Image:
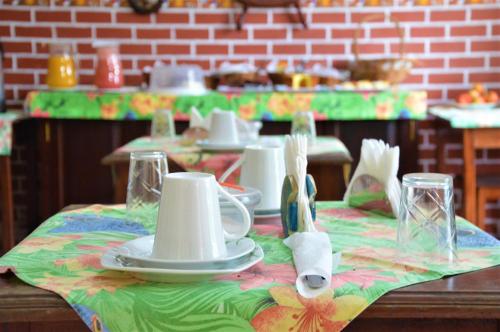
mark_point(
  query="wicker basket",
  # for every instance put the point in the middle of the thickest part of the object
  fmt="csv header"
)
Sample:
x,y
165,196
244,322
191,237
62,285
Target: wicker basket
x,y
392,70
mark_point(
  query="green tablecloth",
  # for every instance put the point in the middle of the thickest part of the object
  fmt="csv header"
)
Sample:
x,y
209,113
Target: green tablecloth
x,y
63,255
459,118
193,159
345,105
6,120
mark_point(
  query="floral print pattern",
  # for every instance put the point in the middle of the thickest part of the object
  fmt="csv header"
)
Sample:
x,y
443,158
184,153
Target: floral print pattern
x,y
6,121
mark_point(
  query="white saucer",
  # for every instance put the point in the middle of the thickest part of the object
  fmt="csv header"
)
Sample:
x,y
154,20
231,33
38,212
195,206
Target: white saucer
x,y
139,251
269,213
208,146
109,261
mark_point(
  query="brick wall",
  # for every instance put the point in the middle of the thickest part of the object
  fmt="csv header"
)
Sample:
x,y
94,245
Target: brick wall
x,y
455,44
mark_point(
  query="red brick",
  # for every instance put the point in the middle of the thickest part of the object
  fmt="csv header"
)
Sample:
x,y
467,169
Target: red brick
x,y
384,33
328,18
93,17
255,18
408,16
211,49
53,16
409,48
74,32
446,78
496,30
204,64
231,34
346,33
132,18
467,62
414,79
85,48
448,47
485,14
83,79
269,34
289,49
358,17
191,34
485,46
212,18
448,15
491,77
309,34
286,18
173,49
9,15
113,33
468,31
127,64
427,32
434,94
7,62
86,64
454,93
31,63
153,33
16,47
369,48
4,31
172,18
19,78
430,63
327,48
495,61
250,49
33,32
133,80
135,49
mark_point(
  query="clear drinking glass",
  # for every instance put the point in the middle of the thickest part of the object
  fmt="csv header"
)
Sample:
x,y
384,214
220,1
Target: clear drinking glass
x,y
303,123
162,124
427,227
145,177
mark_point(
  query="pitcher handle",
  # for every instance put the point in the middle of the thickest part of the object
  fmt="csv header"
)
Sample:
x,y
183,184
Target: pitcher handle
x,y
232,168
244,212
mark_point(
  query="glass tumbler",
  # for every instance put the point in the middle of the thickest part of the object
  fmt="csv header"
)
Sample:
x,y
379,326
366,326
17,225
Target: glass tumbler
x,y
162,124
145,178
303,124
426,228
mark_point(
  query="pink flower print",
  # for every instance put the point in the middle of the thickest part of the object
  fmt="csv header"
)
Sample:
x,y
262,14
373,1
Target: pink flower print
x,y
269,229
348,214
362,278
262,274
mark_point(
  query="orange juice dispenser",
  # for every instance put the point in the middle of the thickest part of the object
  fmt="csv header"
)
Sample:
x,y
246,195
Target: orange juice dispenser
x,y
61,73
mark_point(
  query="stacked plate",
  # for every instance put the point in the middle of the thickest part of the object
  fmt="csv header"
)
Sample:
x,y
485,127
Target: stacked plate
x,y
135,258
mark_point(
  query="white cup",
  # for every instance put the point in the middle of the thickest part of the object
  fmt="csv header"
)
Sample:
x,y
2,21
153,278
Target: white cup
x,y
223,129
263,168
189,221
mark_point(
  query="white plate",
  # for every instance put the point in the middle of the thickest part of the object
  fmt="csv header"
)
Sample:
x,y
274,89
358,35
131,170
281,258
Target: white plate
x,y
139,250
267,213
109,261
477,107
206,145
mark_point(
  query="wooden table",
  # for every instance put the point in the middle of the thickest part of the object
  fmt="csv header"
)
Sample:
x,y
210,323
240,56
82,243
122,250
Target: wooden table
x,y
331,172
472,140
467,302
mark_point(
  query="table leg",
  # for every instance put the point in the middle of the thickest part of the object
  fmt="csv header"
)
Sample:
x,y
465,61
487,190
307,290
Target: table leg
x,y
7,203
469,194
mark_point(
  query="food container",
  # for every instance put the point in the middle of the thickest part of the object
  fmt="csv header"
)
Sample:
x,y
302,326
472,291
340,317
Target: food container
x,y
250,197
178,80
61,72
108,73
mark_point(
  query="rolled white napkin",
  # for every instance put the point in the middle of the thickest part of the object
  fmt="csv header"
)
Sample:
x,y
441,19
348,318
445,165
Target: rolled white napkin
x,y
314,262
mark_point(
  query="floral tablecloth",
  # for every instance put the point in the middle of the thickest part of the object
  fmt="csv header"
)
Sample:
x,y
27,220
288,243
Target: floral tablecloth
x,y
63,255
192,159
340,105
459,118
6,120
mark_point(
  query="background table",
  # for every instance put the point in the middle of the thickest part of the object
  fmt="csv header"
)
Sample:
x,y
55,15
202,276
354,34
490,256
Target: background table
x,y
480,130
329,163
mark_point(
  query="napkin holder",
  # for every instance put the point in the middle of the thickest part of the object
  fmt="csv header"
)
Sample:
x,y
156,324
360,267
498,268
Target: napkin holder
x,y
289,204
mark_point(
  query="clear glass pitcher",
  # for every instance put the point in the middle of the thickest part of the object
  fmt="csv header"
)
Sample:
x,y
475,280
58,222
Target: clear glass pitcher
x,y
108,73
61,73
